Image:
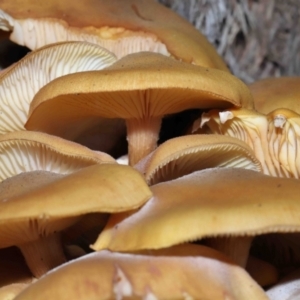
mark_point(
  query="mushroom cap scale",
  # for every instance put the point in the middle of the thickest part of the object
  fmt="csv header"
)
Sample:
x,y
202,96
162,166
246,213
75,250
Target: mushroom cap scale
x,y
206,203
183,155
20,83
127,276
100,188
147,25
26,151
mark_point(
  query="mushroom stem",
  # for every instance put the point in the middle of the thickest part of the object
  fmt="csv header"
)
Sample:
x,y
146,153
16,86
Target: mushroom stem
x,y
142,136
43,254
236,248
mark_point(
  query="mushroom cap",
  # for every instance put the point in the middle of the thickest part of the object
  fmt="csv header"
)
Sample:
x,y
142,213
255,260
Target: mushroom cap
x,y
9,292
25,151
183,155
148,26
25,182
50,208
23,80
141,85
206,203
128,276
275,93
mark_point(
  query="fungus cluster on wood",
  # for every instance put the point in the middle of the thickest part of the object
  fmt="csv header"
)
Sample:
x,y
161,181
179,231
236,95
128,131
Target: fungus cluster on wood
x,y
186,212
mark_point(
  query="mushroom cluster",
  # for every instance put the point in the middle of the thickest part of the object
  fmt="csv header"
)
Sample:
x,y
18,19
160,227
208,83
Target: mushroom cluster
x,y
192,217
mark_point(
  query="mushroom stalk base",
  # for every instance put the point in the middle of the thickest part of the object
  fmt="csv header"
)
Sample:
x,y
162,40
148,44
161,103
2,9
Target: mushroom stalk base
x,y
43,254
142,136
237,248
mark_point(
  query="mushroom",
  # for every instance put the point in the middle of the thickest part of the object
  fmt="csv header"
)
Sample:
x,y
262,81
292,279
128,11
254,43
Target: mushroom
x,y
128,276
262,272
183,155
9,292
248,126
272,130
230,206
123,27
22,81
26,151
32,220
140,88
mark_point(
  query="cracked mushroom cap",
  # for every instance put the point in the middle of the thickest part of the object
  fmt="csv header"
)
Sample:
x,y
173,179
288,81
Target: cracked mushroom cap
x,y
208,203
276,93
26,151
140,88
183,155
23,80
122,27
128,276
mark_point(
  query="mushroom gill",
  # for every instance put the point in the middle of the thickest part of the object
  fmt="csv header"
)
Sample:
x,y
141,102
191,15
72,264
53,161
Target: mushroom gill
x,y
23,80
123,27
186,154
141,88
33,219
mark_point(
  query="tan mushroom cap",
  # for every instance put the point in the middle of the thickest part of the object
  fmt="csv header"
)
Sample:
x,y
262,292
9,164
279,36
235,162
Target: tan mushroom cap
x,y
127,276
262,272
23,80
99,188
32,220
159,77
25,151
26,182
140,88
276,93
208,203
9,292
130,25
183,155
